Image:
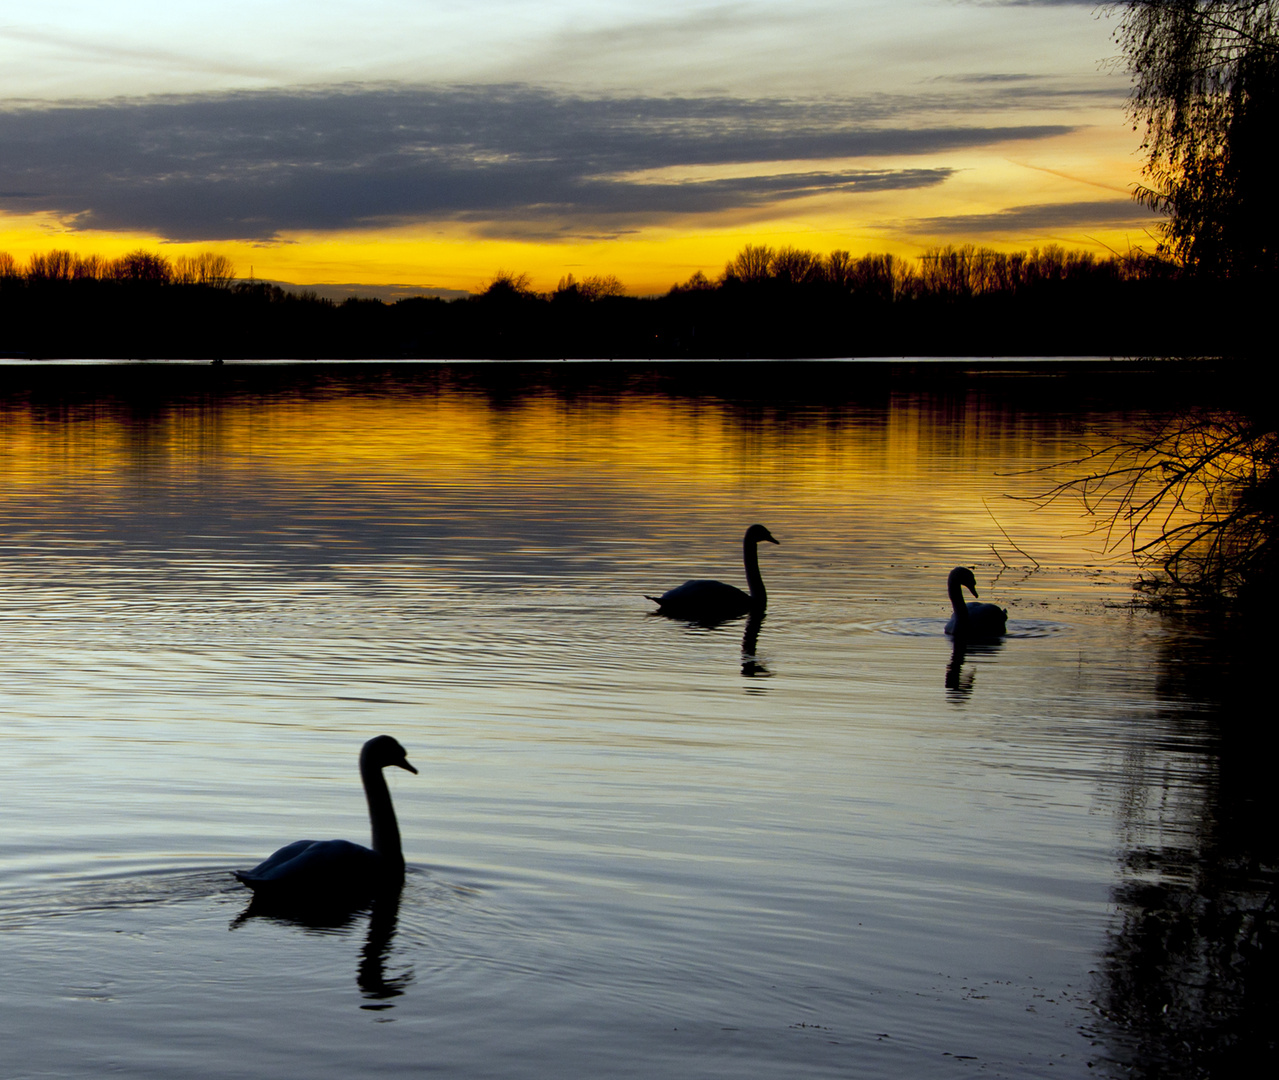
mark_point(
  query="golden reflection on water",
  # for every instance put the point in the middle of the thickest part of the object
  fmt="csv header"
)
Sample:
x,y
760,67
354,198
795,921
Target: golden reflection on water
x,y
866,468
459,435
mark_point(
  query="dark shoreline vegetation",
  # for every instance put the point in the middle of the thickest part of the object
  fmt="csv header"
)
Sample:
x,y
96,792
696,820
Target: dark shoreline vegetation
x,y
788,302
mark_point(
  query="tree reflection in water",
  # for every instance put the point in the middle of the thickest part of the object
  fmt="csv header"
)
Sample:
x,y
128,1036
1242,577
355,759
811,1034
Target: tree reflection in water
x,y
1190,978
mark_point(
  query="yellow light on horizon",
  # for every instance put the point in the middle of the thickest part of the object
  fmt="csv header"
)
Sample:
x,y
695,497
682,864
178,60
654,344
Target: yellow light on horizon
x,y
1092,164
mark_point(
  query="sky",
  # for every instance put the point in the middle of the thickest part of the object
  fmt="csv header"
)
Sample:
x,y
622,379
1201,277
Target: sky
x,y
405,146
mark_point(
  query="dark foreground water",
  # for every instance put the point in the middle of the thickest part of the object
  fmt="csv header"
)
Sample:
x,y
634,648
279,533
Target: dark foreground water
x,y
831,847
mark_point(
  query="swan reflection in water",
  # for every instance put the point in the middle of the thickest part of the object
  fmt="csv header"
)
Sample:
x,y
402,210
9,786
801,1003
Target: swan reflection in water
x,y
711,602
752,666
383,914
323,885
959,683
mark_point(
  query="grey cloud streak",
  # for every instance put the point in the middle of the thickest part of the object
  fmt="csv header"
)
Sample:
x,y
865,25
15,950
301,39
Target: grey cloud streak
x,y
1037,217
252,165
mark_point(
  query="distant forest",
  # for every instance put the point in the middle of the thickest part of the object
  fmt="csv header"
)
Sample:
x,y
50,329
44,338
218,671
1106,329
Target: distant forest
x,y
785,302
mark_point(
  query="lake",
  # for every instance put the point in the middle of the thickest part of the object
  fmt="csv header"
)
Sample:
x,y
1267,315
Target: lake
x,y
825,845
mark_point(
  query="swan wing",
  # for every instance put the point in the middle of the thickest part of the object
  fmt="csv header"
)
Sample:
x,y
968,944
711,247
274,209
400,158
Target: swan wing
x,y
990,618
984,620
319,864
268,866
704,599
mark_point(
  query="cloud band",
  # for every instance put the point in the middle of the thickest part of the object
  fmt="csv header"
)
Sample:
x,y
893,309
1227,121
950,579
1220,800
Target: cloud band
x,y
255,165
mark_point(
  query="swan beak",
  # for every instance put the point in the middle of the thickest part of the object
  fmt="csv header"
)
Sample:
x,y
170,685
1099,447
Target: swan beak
x,y
771,540
405,765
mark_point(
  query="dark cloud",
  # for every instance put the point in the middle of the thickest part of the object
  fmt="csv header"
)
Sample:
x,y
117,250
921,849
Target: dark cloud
x,y
252,165
1039,218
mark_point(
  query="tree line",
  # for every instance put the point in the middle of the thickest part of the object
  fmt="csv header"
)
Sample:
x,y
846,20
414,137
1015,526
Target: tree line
x,y
955,271
775,302
207,268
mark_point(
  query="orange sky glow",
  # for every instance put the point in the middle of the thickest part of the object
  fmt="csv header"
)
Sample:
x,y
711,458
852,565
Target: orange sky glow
x,y
649,147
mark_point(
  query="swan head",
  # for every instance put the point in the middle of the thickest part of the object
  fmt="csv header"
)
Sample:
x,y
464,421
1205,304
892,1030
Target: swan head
x,y
961,576
382,751
756,533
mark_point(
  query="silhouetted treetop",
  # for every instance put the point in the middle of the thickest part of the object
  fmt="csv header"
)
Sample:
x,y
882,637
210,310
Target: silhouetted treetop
x,y
507,284
207,268
138,266
591,287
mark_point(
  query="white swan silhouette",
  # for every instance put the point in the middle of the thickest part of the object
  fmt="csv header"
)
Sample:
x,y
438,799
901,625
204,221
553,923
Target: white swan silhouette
x,y
972,620
713,601
332,871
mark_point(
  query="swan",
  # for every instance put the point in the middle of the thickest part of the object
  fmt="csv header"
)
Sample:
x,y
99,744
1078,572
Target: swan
x,y
713,601
972,620
328,871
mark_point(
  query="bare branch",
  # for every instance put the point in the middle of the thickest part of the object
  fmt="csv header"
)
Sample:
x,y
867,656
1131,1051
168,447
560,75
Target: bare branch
x,y
1184,498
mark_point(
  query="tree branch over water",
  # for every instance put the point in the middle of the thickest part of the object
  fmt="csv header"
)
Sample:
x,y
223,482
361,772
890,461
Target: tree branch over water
x,y
1194,501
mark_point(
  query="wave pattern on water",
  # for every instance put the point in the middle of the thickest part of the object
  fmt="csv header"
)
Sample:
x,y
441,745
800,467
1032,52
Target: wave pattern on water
x,y
821,844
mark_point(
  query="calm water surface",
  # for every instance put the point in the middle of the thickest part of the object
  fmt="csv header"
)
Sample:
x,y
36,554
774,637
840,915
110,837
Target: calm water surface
x,y
636,847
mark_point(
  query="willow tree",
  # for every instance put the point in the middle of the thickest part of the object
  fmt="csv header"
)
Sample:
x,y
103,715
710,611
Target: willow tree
x,y
1206,90
1197,500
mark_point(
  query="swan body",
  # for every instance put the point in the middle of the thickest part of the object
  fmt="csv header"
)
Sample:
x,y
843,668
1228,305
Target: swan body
x,y
328,871
972,620
714,601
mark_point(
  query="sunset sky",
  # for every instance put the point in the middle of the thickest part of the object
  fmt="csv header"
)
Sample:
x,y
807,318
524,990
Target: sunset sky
x,y
425,145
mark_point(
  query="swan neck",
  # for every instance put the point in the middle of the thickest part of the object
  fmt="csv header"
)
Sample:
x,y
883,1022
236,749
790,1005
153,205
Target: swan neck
x,y
754,581
386,830
956,591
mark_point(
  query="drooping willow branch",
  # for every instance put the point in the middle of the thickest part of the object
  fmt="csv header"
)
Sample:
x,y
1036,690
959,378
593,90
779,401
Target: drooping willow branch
x,y
1206,91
